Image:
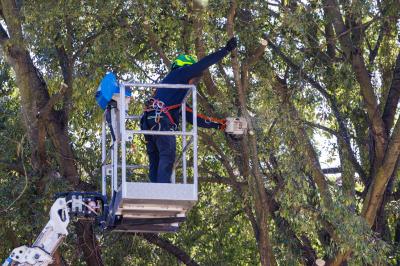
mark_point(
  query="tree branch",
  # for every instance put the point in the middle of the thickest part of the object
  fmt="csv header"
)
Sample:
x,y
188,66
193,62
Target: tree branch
x,y
392,101
332,10
302,242
354,53
3,35
88,243
324,128
256,55
13,20
217,179
86,43
374,52
333,104
165,244
332,170
251,60
283,225
396,195
238,186
89,40
374,197
330,40
312,159
222,156
375,193
212,89
66,65
249,151
154,43
133,60
223,74
12,166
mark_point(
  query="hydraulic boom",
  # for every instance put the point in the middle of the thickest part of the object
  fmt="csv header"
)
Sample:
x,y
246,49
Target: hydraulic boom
x,y
82,205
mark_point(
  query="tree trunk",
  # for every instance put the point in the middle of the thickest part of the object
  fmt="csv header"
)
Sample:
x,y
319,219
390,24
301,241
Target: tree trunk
x,y
88,243
39,116
249,147
261,202
397,237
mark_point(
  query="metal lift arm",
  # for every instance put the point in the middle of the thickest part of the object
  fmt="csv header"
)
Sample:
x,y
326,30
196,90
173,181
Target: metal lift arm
x,y
79,204
46,244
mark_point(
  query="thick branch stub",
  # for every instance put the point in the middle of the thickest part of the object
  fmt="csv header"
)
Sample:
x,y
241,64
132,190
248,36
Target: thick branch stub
x,y
54,99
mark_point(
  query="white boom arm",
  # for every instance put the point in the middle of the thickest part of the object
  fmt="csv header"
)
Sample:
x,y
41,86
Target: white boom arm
x,y
86,205
52,235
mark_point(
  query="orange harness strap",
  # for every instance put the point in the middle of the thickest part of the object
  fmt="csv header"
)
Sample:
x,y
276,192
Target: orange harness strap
x,y
166,109
209,118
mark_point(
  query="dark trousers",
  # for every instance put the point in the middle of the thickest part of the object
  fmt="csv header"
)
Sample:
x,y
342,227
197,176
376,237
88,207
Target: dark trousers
x,y
160,149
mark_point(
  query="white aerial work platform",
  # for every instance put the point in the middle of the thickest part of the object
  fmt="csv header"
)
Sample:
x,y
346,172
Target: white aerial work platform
x,y
134,206
144,206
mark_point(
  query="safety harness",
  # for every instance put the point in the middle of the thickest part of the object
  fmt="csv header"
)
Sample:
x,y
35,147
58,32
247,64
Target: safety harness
x,y
160,108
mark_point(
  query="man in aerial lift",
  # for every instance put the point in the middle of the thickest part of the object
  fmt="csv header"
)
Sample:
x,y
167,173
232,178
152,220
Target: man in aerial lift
x,y
162,111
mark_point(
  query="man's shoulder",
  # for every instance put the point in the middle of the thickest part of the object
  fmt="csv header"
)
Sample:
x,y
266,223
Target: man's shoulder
x,y
174,77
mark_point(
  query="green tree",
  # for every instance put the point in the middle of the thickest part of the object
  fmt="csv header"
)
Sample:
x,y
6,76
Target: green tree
x,y
303,71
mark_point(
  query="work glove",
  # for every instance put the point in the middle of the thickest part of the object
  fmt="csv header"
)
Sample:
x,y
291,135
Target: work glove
x,y
231,44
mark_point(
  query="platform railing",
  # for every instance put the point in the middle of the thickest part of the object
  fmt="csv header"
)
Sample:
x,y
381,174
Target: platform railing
x,y
119,145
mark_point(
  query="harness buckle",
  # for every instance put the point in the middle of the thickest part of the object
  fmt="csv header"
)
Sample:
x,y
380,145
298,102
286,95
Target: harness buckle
x,y
159,108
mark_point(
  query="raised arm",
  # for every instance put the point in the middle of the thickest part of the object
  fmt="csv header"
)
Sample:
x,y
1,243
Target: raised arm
x,y
196,69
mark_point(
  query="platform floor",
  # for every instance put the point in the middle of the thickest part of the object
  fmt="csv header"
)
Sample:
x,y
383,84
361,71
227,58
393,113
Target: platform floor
x,y
152,207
